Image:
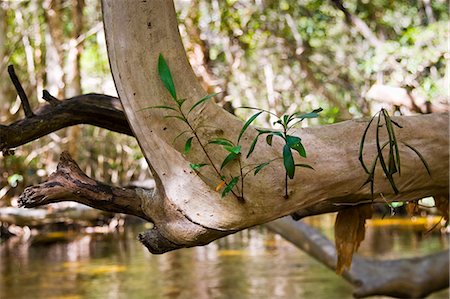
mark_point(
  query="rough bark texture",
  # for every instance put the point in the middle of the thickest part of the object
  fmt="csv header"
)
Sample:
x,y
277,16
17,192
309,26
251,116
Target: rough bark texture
x,y
194,213
94,109
69,183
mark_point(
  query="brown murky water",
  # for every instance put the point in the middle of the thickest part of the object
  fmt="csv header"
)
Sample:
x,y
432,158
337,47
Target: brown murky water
x,y
251,264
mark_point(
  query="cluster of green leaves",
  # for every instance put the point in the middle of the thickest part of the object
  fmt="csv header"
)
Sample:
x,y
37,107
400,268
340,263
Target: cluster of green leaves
x,y
178,112
234,149
291,143
391,165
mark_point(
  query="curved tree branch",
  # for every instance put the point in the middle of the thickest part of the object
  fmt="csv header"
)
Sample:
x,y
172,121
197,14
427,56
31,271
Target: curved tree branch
x,y
94,109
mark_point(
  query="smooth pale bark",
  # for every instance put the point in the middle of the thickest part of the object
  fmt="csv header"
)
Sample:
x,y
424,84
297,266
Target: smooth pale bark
x,y
192,211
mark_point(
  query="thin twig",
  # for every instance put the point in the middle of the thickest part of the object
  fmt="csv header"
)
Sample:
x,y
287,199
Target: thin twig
x,y
50,99
23,97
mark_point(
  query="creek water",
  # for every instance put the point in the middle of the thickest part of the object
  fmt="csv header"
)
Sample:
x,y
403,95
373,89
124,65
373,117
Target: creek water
x,y
251,264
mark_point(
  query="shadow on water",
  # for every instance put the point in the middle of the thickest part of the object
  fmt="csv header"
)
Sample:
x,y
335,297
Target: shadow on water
x,y
251,264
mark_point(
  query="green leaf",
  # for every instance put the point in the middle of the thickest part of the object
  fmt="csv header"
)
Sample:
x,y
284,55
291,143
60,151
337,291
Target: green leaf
x,y
159,107
394,165
202,100
285,120
424,162
261,167
247,123
196,167
221,141
304,166
261,132
166,76
288,161
381,158
312,114
228,159
252,146
269,139
233,149
361,146
230,186
187,145
296,144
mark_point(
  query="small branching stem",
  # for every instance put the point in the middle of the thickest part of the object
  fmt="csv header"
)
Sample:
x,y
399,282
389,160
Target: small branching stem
x,y
203,148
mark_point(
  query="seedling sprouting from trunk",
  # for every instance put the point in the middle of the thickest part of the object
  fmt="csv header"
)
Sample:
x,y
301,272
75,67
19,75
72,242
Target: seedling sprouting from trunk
x,y
287,122
392,165
178,112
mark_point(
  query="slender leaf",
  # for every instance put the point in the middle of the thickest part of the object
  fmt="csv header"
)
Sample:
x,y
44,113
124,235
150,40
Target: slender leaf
x,y
381,158
228,159
221,141
288,161
285,120
269,139
202,100
296,144
233,149
391,134
276,133
187,145
247,124
361,146
312,114
396,123
259,109
261,167
252,146
304,166
196,167
166,76
159,107
230,186
420,156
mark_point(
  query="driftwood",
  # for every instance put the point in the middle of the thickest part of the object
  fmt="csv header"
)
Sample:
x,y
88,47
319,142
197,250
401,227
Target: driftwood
x,y
369,277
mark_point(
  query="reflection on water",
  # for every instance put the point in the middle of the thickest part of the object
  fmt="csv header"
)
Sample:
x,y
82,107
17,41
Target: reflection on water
x,y
250,264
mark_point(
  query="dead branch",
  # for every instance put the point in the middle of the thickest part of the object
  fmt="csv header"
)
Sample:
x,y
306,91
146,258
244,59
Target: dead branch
x,y
70,183
22,95
93,109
